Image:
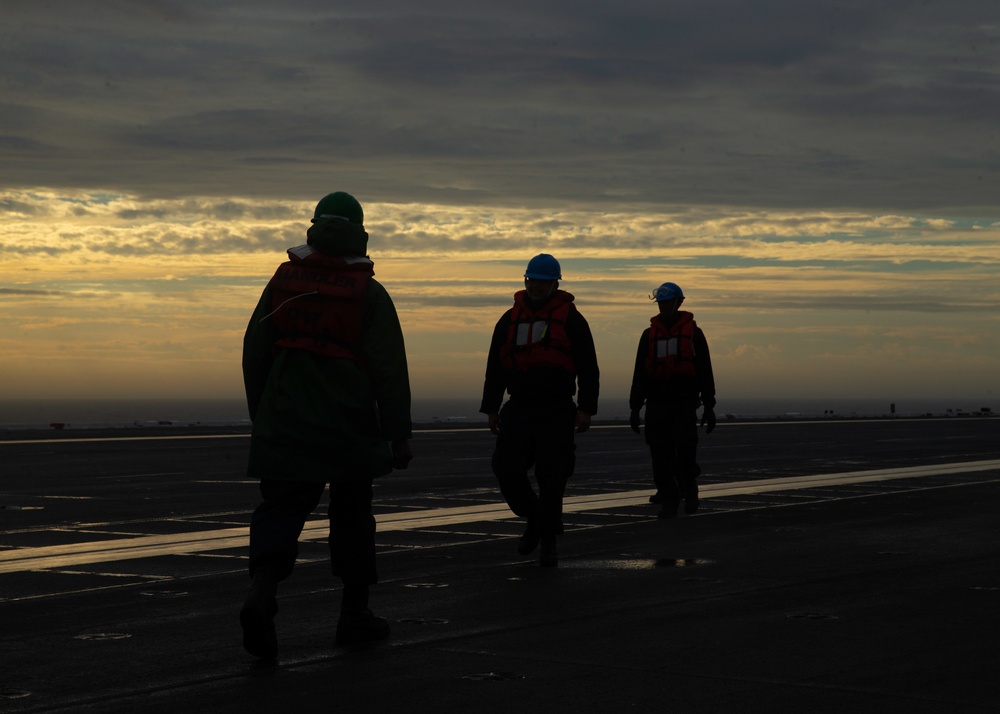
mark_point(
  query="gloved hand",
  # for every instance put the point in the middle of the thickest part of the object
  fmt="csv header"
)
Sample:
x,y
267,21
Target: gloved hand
x,y
633,420
708,420
401,454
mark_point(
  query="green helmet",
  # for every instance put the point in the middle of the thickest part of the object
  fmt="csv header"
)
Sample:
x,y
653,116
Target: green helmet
x,y
340,205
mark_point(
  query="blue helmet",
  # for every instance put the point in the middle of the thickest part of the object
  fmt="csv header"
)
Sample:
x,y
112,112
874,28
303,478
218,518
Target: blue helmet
x,y
668,291
543,267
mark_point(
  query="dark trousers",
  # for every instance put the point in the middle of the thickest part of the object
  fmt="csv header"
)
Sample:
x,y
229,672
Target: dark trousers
x,y
278,521
672,436
541,437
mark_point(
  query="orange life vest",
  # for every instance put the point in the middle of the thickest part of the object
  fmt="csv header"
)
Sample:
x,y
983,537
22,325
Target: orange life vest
x,y
318,302
538,337
671,349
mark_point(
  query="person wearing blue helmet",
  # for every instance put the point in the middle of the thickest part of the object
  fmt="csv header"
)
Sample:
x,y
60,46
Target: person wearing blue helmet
x,y
541,350
672,378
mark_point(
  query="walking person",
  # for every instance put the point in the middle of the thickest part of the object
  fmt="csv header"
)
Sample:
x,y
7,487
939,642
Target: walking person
x,y
672,378
541,350
324,366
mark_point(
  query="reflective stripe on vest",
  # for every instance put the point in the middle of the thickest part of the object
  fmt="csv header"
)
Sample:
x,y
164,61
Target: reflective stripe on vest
x,y
318,303
671,349
538,338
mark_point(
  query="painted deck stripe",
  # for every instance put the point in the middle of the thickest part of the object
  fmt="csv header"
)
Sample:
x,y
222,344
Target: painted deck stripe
x,y
103,551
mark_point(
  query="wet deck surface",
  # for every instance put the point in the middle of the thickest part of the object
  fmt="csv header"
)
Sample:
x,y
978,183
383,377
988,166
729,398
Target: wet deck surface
x,y
833,566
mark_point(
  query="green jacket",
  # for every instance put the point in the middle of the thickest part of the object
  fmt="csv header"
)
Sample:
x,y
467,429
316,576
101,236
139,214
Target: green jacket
x,y
319,418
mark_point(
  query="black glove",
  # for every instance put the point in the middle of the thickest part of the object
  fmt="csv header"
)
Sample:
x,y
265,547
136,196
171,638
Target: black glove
x,y
708,420
401,454
633,420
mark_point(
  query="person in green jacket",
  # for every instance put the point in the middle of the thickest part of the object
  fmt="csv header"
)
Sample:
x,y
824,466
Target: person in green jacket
x,y
324,366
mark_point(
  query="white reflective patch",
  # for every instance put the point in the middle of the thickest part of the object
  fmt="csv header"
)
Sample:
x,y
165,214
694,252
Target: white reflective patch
x,y
666,347
529,333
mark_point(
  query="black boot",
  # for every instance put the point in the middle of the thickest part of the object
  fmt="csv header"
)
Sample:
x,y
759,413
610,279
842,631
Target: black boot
x,y
529,541
668,508
257,615
358,624
691,501
549,556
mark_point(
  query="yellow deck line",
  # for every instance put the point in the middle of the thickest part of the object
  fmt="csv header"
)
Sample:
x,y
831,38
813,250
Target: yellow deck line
x,y
114,549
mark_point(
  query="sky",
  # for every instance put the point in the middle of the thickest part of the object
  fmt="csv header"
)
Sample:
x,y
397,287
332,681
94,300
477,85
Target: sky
x,y
821,178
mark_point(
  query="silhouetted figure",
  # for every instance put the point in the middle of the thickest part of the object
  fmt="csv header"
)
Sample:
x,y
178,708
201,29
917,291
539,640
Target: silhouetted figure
x,y
673,377
324,367
540,349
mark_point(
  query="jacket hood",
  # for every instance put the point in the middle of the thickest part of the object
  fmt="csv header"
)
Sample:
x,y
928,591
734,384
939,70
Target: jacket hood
x,y
334,236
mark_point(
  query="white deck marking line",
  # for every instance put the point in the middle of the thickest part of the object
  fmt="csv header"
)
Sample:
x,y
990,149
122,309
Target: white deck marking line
x,y
62,556
101,439
457,430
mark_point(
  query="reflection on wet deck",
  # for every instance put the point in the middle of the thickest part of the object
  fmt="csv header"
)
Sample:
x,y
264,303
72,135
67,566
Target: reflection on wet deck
x,y
200,542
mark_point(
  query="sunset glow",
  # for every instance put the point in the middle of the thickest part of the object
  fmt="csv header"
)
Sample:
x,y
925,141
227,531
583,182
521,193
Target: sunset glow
x,y
821,183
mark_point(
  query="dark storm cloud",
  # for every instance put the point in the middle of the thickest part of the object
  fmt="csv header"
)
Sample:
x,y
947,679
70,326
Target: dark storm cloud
x,y
14,207
877,106
214,210
27,292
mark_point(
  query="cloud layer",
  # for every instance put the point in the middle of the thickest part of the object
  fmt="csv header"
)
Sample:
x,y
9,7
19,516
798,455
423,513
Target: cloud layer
x,y
773,104
794,302
820,177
